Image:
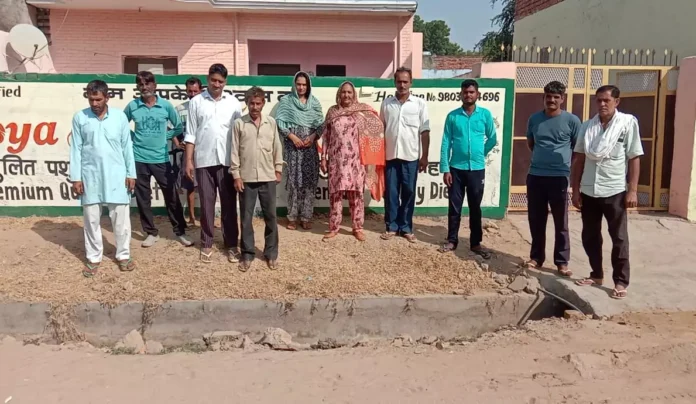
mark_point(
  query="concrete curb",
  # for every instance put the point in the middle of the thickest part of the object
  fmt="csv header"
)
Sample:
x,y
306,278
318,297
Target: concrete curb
x,y
182,322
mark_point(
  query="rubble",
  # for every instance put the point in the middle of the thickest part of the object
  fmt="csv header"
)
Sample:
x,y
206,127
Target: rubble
x,y
154,347
280,340
132,342
574,315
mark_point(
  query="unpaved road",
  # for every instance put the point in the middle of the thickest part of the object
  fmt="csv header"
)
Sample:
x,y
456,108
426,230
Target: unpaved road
x,y
649,358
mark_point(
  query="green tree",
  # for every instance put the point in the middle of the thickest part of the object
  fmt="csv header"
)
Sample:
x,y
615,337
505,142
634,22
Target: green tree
x,y
492,42
436,37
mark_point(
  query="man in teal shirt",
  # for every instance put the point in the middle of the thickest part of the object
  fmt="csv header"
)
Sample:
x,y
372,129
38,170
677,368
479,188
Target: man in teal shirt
x,y
152,116
468,138
102,172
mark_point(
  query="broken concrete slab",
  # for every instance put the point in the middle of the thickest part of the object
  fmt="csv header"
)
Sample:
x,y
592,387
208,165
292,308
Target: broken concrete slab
x,y
518,284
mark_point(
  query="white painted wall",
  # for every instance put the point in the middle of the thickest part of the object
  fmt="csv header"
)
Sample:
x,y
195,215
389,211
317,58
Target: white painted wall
x,y
617,24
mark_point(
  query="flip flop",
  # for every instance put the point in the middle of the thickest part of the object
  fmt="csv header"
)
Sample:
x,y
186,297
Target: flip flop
x,y
447,247
410,237
483,253
90,269
565,272
387,235
329,235
619,294
126,265
206,258
589,282
530,264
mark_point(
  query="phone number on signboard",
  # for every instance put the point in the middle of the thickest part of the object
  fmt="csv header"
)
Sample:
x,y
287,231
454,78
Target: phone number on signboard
x,y
495,97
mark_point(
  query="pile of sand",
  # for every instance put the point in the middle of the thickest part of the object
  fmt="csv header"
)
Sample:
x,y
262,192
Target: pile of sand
x,y
42,260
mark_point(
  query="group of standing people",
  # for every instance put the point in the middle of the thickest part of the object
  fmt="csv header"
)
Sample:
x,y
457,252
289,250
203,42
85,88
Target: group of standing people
x,y
218,151
229,154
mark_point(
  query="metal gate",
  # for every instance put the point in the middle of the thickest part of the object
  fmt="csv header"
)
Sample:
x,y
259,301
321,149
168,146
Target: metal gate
x,y
648,91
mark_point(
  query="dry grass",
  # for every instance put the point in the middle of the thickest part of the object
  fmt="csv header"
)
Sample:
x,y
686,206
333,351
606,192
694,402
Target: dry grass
x,y
42,260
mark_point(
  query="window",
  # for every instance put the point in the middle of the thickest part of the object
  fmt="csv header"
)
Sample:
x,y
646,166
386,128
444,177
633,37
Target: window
x,y
157,64
331,70
266,69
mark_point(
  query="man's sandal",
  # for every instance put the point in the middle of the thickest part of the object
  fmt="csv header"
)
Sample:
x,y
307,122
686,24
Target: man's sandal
x,y
485,254
387,235
90,269
619,294
206,257
292,225
589,282
565,272
530,264
127,265
410,237
447,247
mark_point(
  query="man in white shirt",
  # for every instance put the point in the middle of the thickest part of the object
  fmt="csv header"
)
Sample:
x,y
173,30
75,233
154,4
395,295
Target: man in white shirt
x,y
407,136
607,150
208,148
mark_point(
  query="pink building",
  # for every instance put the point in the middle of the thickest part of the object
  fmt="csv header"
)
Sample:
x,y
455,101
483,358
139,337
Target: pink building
x,y
253,37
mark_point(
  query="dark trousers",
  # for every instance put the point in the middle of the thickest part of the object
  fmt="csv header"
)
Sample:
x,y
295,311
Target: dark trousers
x,y
613,209
266,193
400,195
543,192
164,176
212,180
469,183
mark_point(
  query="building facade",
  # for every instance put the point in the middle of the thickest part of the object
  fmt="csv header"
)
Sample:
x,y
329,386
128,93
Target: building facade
x,y
253,37
607,24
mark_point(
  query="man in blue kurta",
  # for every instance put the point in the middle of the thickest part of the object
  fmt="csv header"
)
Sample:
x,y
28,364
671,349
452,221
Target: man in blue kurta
x,y
468,137
152,116
102,171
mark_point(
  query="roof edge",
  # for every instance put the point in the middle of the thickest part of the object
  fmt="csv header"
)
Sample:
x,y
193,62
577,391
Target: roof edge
x,y
313,5
389,6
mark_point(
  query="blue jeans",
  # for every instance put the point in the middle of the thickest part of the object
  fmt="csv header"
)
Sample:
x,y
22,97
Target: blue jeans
x,y
400,195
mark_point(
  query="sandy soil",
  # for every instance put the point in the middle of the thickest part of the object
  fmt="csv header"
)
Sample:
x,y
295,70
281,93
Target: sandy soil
x,y
643,358
42,260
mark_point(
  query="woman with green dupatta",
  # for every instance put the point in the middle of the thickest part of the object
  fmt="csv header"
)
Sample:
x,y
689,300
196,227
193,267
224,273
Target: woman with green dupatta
x,y
300,123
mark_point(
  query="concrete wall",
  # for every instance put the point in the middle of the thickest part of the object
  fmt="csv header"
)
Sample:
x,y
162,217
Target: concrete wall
x,y
682,196
200,39
606,24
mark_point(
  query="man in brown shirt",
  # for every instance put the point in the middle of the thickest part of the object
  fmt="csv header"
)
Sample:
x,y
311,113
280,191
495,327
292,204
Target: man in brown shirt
x,y
256,166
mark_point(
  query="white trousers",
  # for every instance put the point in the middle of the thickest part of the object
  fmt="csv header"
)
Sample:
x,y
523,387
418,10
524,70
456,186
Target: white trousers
x,y
120,221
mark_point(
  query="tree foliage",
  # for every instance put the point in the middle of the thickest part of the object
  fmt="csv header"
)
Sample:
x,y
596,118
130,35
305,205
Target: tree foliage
x,y
492,42
436,37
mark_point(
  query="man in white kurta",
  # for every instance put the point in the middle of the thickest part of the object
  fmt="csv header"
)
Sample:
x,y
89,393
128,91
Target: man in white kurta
x,y
102,170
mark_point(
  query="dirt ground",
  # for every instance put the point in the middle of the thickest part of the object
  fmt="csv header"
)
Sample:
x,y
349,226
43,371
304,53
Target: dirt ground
x,y
42,260
640,358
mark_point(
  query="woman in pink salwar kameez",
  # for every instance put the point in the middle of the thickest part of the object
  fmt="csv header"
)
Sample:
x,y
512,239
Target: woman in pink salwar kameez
x,y
353,155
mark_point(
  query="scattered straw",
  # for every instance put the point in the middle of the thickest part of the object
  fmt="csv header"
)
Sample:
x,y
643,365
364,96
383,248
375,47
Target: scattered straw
x,y
42,260
61,324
